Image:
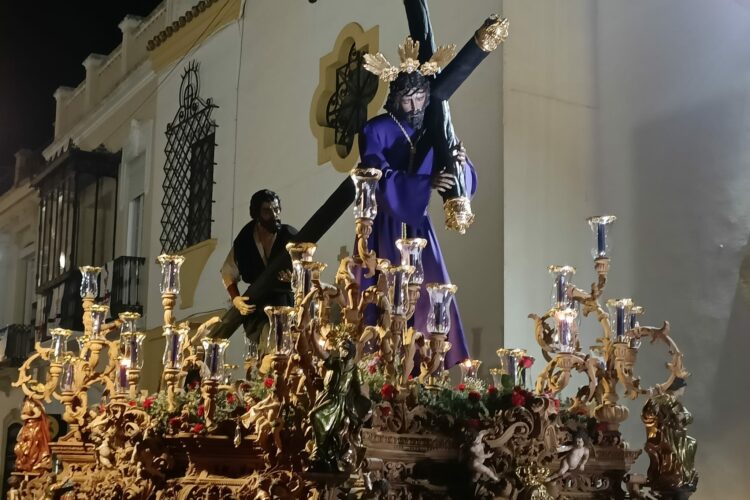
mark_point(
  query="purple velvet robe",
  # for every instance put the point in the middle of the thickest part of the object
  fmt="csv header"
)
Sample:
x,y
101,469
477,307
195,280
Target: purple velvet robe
x,y
405,197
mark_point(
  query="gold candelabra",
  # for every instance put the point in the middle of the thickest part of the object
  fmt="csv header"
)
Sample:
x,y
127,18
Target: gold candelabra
x,y
613,356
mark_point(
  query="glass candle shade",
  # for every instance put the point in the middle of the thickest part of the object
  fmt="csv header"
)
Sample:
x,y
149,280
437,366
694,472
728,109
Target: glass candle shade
x,y
470,367
133,348
214,350
600,226
170,273
175,338
59,344
619,315
635,311
411,255
562,286
439,317
98,317
566,330
365,185
310,272
128,320
67,377
398,288
511,366
299,252
251,349
633,323
89,281
121,376
281,319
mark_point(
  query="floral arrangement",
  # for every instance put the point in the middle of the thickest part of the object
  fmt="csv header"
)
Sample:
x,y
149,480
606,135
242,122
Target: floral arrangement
x,y
188,415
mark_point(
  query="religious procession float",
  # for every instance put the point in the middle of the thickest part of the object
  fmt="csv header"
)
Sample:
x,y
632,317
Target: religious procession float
x,y
353,400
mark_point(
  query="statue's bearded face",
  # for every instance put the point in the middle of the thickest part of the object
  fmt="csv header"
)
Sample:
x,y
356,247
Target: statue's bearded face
x,y
408,98
412,107
270,216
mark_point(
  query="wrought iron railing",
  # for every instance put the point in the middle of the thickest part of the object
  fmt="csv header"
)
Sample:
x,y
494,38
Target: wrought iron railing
x,y
127,295
19,342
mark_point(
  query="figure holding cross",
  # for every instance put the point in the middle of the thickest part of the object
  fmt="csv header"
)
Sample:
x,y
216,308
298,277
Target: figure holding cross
x,y
416,148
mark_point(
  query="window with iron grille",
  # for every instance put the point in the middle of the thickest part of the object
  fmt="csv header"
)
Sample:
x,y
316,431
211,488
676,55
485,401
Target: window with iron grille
x,y
189,168
346,111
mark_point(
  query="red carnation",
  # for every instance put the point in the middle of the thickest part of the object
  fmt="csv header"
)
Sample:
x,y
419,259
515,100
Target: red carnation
x,y
201,410
474,396
175,421
410,377
268,382
527,361
131,403
372,368
518,398
230,398
197,428
474,423
387,391
194,385
461,387
492,390
148,403
556,402
385,410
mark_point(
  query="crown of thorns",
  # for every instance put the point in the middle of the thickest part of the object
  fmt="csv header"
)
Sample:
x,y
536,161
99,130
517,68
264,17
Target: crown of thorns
x,y
378,65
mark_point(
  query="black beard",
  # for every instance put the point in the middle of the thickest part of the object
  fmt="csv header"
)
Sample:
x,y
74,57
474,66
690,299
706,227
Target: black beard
x,y
415,119
272,226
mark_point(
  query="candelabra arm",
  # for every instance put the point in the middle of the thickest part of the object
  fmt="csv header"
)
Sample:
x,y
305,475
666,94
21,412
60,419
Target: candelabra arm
x,y
412,339
601,266
304,316
168,301
367,257
30,386
556,375
675,366
543,333
624,360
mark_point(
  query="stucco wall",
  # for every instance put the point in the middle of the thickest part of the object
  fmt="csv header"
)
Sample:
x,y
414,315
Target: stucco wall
x,y
639,109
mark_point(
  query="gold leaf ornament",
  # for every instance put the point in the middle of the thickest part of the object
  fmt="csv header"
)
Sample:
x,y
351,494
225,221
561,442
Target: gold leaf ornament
x,y
439,60
378,65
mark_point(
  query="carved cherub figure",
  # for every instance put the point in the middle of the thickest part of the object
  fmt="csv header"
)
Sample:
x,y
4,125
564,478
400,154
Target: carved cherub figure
x,y
575,459
477,456
265,415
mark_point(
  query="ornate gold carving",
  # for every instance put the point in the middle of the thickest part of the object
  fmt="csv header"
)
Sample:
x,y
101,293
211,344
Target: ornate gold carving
x,y
458,214
492,33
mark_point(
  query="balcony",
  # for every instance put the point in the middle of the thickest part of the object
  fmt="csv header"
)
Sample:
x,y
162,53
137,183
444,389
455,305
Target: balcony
x,y
19,342
127,280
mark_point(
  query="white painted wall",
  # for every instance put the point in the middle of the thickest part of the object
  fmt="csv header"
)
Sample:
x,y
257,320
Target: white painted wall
x,y
640,109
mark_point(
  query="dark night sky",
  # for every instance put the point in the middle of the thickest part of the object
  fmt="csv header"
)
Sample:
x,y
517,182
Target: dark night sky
x,y
42,46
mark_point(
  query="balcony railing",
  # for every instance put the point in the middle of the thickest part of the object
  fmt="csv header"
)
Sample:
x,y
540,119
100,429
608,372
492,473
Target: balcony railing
x,y
126,291
19,342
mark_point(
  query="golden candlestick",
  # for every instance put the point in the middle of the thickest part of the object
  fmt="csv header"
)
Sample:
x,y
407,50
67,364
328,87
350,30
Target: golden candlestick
x,y
168,301
171,377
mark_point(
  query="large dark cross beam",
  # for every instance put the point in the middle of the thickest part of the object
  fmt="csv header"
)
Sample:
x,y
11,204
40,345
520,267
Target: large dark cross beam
x,y
320,222
443,85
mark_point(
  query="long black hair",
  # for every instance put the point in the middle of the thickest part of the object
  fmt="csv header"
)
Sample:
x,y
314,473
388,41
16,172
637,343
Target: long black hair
x,y
404,85
261,197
